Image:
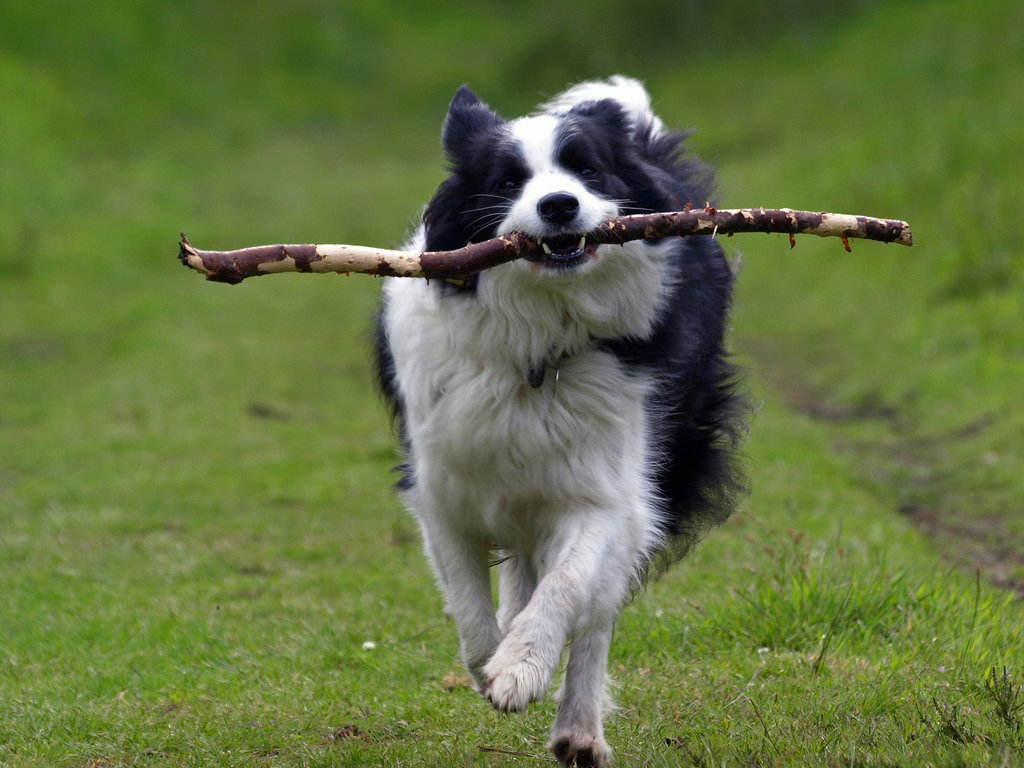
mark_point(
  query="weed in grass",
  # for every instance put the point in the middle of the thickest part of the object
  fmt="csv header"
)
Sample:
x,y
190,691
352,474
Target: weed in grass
x,y
1007,697
950,722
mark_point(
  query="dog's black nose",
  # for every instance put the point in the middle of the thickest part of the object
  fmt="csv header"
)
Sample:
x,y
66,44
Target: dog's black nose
x,y
558,207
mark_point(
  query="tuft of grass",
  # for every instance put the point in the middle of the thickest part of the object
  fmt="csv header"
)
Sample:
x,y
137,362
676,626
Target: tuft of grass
x,y
826,660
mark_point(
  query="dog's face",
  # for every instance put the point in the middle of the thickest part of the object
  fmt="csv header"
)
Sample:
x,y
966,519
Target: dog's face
x,y
553,176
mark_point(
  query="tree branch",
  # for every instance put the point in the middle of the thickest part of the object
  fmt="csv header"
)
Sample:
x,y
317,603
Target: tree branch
x,y
459,264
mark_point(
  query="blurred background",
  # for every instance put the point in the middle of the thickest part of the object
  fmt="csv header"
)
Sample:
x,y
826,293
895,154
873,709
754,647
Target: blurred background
x,y
243,123
143,410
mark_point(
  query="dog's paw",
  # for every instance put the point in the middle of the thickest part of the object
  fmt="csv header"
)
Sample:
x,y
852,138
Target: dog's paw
x,y
513,687
581,751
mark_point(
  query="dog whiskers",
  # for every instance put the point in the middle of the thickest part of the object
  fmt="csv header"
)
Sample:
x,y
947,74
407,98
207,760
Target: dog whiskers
x,y
506,198
488,223
626,208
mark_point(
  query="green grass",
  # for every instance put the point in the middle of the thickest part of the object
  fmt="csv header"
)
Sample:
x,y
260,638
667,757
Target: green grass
x,y
197,531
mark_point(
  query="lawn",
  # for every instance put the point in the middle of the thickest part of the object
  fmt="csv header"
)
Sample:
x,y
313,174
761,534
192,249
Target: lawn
x,y
201,560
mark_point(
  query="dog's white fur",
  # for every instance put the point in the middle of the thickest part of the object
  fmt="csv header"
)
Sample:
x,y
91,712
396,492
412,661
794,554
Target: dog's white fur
x,y
554,480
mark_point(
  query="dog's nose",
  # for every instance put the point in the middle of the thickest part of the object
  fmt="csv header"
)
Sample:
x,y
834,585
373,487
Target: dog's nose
x,y
558,207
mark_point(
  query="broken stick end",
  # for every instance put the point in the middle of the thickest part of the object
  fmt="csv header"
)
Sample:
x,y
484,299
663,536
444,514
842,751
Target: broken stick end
x,y
189,256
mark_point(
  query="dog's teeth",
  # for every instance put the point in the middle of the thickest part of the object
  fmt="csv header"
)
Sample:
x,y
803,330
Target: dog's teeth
x,y
583,242
547,250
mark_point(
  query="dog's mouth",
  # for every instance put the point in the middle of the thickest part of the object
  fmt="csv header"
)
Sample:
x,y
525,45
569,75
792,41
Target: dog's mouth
x,y
563,253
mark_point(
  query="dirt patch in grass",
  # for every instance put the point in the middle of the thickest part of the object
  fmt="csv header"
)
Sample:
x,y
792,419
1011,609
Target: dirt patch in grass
x,y
924,474
980,542
345,733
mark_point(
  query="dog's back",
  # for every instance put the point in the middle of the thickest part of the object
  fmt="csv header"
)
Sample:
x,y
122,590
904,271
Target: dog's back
x,y
575,413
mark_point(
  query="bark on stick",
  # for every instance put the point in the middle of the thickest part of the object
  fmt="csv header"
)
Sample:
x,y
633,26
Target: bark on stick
x,y
459,264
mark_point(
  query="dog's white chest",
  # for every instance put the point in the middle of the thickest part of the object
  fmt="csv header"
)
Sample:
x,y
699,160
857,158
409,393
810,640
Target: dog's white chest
x,y
499,449
497,437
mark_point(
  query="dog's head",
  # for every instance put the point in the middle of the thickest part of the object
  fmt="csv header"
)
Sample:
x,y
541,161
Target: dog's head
x,y
593,153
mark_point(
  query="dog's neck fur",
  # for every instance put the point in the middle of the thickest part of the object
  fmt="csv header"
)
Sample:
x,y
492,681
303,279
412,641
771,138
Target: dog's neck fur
x,y
524,320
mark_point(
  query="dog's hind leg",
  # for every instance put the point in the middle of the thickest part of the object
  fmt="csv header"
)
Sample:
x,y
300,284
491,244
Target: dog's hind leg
x,y
578,734
516,582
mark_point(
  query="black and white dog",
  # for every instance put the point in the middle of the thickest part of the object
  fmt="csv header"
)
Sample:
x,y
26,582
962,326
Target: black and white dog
x,y
571,417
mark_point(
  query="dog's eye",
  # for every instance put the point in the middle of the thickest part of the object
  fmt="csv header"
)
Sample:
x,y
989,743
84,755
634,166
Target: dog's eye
x,y
579,162
509,184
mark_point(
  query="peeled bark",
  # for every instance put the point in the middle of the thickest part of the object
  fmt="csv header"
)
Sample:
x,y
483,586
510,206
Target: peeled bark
x,y
459,264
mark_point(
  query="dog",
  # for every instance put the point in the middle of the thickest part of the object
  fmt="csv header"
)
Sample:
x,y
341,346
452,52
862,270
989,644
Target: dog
x,y
571,419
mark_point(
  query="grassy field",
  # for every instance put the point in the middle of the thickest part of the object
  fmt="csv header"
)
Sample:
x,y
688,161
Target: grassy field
x,y
201,561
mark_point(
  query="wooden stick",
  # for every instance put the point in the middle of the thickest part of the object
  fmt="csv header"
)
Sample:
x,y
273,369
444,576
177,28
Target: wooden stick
x,y
459,264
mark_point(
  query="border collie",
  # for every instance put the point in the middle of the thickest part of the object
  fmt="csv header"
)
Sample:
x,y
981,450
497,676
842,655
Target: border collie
x,y
570,419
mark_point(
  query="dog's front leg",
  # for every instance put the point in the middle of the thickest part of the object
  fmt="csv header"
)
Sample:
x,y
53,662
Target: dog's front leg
x,y
578,735
586,584
462,567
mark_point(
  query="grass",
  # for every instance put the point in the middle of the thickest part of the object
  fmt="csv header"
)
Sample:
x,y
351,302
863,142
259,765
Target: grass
x,y
197,532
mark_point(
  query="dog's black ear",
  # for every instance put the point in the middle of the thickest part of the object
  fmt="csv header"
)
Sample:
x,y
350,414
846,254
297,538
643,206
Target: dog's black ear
x,y
464,98
467,118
